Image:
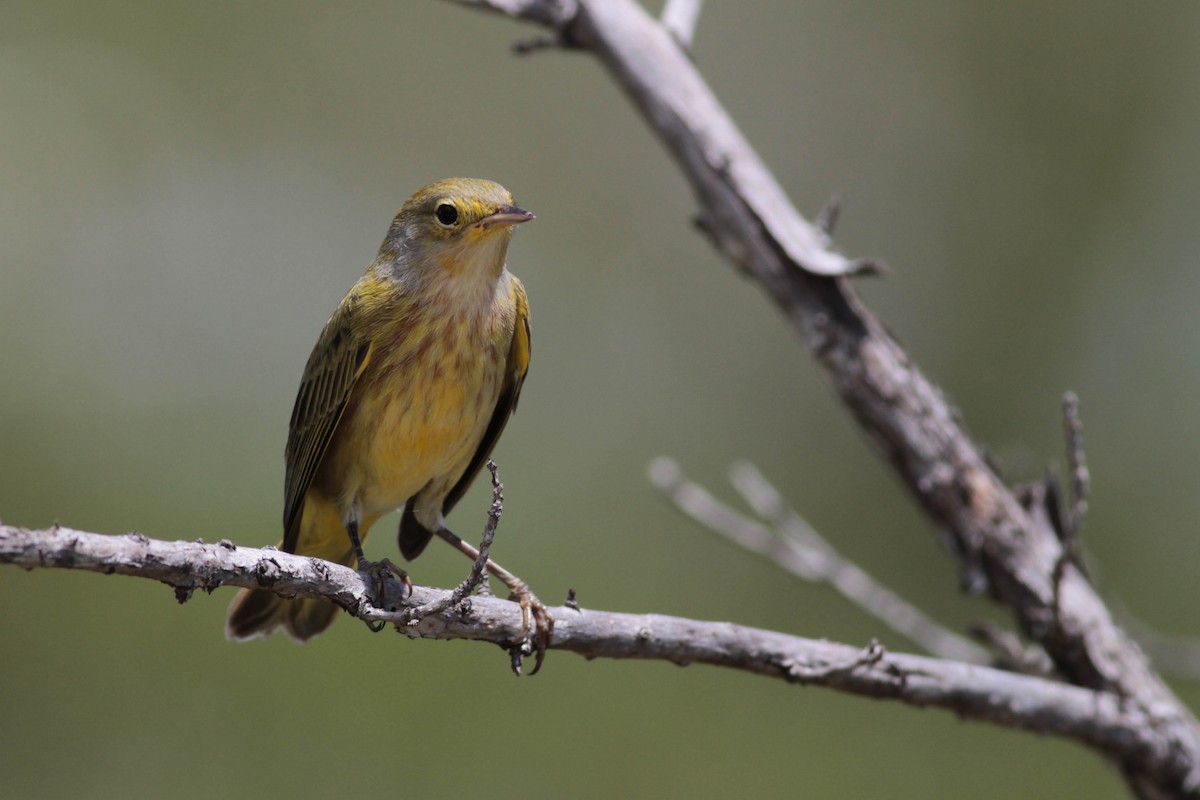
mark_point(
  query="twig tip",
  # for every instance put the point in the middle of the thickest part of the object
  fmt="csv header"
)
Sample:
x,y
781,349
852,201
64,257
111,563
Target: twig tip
x,y
664,472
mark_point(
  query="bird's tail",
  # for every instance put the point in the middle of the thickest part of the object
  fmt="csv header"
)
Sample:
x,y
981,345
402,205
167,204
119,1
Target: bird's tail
x,y
257,612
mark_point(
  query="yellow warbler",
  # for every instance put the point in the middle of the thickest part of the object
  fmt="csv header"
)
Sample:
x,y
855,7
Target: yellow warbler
x,y
404,396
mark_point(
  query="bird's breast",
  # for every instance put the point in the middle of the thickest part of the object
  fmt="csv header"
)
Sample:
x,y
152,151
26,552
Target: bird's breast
x,y
420,408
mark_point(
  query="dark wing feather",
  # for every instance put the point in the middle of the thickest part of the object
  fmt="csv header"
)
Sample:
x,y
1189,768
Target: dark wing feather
x,y
337,360
506,404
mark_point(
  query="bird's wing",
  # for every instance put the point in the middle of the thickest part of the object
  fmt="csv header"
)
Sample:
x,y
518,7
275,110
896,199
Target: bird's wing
x,y
510,391
338,359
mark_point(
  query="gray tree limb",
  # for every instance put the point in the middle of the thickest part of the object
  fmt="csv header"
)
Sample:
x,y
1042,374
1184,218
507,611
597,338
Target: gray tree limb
x,y
1013,549
1101,719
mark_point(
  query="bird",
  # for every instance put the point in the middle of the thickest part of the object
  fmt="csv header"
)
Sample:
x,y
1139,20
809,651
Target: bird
x,y
404,396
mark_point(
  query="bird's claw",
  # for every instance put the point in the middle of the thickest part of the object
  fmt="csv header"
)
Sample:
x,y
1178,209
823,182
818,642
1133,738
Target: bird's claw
x,y
536,627
377,575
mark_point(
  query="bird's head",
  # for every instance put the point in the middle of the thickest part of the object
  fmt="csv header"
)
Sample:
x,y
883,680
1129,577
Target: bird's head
x,y
460,225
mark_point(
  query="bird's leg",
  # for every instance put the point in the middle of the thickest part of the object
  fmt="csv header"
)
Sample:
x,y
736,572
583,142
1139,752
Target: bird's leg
x,y
377,572
536,622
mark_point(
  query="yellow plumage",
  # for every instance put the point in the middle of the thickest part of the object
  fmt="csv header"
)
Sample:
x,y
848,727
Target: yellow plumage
x,y
406,391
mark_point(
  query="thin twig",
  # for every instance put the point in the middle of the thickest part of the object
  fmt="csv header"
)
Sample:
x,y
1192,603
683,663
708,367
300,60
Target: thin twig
x,y
1174,655
1009,652
536,44
1079,478
792,544
476,577
847,577
1071,508
827,218
680,17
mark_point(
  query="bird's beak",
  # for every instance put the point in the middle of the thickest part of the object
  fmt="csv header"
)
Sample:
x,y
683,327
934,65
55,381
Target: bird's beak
x,y
505,216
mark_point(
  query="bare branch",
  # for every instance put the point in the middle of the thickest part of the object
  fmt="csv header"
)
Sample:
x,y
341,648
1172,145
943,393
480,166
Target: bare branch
x,y
800,550
1098,719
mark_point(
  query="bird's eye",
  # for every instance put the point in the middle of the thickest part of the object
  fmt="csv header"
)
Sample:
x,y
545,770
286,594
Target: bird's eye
x,y
446,214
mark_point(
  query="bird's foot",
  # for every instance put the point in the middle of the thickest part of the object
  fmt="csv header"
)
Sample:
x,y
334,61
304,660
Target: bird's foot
x,y
381,592
536,627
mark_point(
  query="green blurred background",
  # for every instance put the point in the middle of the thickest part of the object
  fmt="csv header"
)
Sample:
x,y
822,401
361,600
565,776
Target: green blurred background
x,y
187,189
